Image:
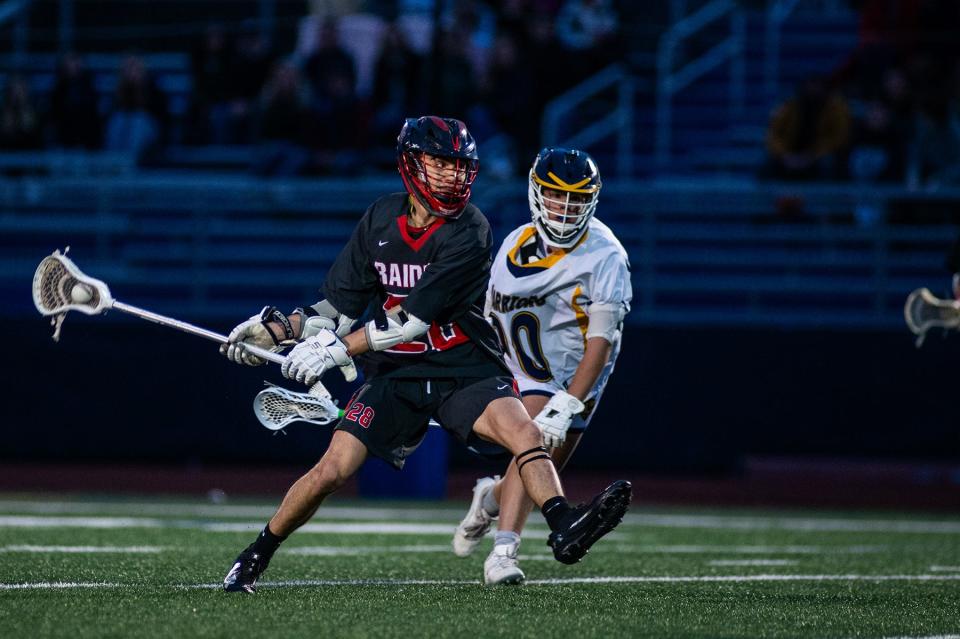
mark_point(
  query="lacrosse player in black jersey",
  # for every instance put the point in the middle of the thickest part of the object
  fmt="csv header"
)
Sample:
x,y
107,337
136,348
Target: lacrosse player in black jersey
x,y
420,262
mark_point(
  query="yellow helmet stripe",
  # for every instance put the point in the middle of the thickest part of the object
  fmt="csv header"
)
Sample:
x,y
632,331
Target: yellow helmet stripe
x,y
564,186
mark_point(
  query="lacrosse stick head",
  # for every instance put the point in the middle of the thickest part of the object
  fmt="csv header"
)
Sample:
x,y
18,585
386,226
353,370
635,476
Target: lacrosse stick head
x,y
59,286
923,310
277,407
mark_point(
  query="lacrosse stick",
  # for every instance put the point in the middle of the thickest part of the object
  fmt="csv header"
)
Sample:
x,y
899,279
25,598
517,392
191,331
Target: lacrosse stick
x,y
59,287
276,407
923,310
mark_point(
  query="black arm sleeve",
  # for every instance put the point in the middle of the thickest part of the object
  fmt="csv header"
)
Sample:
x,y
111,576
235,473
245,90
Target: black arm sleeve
x,y
454,281
352,281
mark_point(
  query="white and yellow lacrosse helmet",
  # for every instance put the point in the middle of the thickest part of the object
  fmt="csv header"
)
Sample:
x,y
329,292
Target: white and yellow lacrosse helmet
x,y
563,192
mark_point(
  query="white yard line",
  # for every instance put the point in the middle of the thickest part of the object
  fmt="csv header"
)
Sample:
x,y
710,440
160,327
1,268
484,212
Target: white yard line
x,y
750,550
58,585
740,578
536,582
376,513
351,551
82,549
944,568
18,521
752,562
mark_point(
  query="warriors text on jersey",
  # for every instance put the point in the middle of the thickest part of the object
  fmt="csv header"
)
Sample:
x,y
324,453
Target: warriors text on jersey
x,y
540,303
438,274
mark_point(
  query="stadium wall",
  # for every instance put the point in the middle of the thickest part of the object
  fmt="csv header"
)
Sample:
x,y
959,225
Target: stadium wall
x,y
680,401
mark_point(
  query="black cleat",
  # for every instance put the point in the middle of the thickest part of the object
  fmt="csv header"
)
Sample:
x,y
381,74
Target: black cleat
x,y
247,568
589,522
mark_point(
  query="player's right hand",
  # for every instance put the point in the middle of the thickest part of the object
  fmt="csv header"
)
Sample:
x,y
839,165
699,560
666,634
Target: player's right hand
x,y
314,356
254,332
555,418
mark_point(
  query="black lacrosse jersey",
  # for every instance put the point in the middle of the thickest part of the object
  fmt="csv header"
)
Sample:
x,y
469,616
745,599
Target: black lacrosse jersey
x,y
438,273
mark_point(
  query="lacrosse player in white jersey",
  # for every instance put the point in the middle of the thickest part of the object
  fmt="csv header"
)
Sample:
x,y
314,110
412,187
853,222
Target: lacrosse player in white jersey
x,y
559,290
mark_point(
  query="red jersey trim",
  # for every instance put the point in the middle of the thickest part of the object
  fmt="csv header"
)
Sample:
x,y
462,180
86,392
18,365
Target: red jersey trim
x,y
403,222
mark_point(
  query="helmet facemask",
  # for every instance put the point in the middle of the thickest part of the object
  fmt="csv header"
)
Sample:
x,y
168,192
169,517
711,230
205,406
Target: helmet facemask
x,y
441,184
561,215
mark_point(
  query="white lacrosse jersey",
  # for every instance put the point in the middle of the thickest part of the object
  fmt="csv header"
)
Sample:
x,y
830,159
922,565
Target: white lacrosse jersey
x,y
539,303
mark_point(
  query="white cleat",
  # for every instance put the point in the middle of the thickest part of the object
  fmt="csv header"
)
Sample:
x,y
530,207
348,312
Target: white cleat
x,y
477,521
501,566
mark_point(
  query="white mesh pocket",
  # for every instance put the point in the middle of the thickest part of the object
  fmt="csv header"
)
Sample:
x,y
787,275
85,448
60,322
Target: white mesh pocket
x,y
276,407
924,311
55,281
59,286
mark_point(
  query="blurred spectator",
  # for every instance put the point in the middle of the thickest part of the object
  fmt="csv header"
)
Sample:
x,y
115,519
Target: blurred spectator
x,y
253,60
20,126
139,114
509,96
475,24
545,57
330,63
887,34
881,134
588,30
808,135
455,88
283,124
938,140
339,125
398,88
939,22
74,112
211,62
879,145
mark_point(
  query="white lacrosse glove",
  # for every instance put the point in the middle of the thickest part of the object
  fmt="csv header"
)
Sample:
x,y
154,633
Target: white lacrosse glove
x,y
555,418
314,356
323,315
254,331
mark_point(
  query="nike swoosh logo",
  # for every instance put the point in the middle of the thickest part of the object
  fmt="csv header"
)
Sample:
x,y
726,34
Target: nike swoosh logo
x,y
502,387
382,243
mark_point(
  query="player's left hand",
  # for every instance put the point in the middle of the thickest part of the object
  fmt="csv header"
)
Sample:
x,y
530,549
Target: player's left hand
x,y
555,418
314,356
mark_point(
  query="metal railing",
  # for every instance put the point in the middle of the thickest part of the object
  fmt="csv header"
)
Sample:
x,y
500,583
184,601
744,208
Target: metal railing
x,y
777,13
618,121
670,81
16,11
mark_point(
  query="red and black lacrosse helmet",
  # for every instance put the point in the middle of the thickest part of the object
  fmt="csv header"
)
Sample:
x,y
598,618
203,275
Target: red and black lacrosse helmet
x,y
445,138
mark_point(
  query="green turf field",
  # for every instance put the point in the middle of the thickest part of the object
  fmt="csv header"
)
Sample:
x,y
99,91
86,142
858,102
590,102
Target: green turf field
x,y
98,567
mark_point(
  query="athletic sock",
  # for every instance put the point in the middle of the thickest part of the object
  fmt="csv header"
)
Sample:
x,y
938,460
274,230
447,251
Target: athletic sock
x,y
490,505
554,510
267,543
506,538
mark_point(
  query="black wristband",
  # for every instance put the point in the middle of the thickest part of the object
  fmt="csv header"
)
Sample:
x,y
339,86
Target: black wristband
x,y
272,314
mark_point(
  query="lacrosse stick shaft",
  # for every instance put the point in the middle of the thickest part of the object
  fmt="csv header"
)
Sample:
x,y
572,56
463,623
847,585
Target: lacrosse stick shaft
x,y
195,330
